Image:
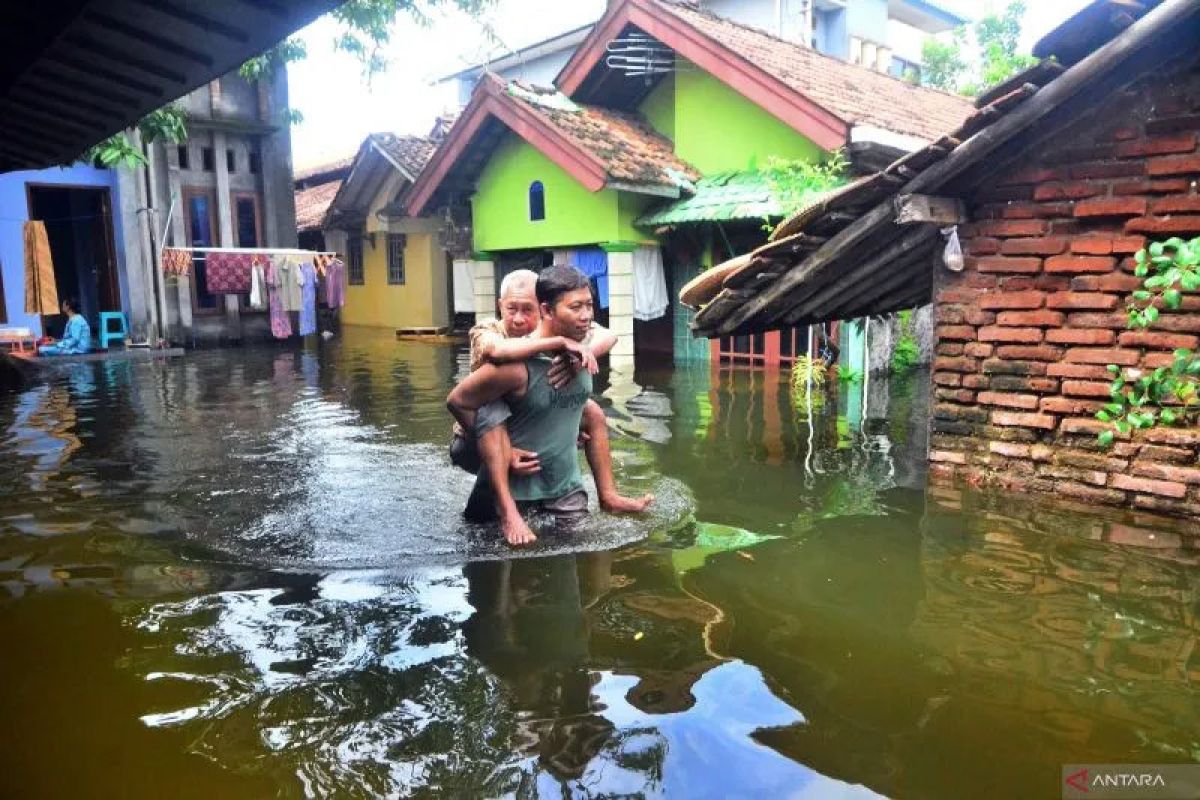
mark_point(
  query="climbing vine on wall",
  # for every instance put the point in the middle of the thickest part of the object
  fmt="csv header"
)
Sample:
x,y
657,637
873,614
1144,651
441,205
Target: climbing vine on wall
x,y
1166,395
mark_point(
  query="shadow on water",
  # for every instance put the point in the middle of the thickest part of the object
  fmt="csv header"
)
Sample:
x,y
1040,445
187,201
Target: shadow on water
x,y
242,574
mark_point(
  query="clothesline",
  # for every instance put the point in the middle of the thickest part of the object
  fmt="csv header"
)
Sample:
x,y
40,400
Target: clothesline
x,y
291,251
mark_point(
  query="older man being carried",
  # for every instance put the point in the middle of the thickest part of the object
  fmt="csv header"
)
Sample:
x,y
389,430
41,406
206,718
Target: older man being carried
x,y
538,398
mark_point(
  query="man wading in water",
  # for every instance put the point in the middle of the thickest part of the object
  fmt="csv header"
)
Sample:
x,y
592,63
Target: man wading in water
x,y
545,419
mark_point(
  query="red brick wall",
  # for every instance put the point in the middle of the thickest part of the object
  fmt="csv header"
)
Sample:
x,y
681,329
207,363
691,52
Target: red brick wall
x,y
1026,330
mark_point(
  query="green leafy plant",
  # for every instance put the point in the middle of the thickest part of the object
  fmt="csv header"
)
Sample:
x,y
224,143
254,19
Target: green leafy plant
x,y
809,372
1165,395
906,353
996,38
793,183
848,374
168,124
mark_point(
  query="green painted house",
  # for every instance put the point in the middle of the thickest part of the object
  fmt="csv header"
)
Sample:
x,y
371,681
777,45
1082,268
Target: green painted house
x,y
646,169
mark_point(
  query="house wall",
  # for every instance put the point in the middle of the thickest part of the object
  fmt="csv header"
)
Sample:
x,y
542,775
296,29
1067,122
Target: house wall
x,y
574,216
14,211
421,302
1025,332
716,129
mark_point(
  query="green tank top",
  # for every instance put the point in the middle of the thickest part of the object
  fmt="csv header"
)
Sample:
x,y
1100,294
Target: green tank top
x,y
546,421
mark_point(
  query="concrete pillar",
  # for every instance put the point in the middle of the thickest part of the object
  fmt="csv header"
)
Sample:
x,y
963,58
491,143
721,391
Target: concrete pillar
x,y
225,237
137,269
172,195
620,304
484,271
279,198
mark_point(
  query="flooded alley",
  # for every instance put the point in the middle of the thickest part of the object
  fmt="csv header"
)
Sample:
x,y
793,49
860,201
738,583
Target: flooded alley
x,y
242,573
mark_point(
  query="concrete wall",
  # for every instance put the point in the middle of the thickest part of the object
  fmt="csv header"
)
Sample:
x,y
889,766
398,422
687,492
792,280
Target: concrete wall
x,y
237,122
1027,330
14,211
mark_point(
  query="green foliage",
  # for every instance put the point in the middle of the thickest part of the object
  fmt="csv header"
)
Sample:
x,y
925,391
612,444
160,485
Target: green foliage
x,y
906,354
942,62
1166,395
168,124
808,372
365,30
794,183
848,374
996,39
263,65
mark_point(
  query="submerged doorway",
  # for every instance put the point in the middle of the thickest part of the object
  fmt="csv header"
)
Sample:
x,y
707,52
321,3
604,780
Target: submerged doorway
x,y
79,226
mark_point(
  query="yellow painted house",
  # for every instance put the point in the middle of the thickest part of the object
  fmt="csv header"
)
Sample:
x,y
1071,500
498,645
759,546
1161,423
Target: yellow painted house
x,y
398,273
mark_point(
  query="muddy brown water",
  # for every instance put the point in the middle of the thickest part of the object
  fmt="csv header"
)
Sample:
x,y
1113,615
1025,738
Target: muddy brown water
x,y
241,573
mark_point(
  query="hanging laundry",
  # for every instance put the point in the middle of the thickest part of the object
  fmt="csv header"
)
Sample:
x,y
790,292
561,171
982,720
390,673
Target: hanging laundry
x,y
308,305
593,262
41,291
650,298
227,273
288,268
175,261
258,284
335,283
281,323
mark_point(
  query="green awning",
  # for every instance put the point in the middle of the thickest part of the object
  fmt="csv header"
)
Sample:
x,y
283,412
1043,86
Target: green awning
x,y
724,197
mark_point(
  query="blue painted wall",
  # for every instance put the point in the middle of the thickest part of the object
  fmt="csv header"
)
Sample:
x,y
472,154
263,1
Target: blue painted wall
x,y
14,211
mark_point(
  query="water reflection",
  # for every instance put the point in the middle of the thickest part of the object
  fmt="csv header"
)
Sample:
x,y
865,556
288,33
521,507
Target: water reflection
x,y
255,559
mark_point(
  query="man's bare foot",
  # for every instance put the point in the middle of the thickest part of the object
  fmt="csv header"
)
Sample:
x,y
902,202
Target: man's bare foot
x,y
618,504
516,532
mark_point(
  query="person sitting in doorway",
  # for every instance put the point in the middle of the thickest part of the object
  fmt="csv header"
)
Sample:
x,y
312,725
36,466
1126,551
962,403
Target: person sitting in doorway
x,y
77,336
511,407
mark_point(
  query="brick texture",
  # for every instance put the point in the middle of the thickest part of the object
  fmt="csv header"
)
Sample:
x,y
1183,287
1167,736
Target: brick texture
x,y
1027,331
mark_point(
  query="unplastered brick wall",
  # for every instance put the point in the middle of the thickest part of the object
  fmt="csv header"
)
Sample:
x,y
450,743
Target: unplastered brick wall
x,y
1025,332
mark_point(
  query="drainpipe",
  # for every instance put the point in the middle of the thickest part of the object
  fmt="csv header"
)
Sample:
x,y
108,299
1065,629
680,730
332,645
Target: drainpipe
x,y
779,18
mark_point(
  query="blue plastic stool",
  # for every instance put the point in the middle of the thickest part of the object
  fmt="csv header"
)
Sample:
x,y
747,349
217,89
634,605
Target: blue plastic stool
x,y
106,335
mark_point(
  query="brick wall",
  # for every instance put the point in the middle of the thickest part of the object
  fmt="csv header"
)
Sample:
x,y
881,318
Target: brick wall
x,y
1025,331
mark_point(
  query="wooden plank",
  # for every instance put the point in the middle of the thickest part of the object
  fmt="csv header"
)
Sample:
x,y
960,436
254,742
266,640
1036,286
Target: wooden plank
x,y
912,208
1039,74
895,259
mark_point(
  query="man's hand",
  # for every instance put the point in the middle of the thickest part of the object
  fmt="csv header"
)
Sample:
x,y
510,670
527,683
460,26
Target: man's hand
x,y
566,365
524,462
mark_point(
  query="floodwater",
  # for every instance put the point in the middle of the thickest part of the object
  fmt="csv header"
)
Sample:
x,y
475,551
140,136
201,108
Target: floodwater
x,y
241,574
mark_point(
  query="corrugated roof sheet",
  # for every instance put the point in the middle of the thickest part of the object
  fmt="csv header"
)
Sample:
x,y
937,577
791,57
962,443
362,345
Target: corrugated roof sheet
x,y
726,197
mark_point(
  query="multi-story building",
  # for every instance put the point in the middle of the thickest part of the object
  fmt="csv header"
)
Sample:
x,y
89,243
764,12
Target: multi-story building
x,y
883,34
229,184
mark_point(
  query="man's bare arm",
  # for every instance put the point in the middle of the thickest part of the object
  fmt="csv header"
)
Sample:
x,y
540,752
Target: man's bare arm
x,y
503,351
488,383
601,340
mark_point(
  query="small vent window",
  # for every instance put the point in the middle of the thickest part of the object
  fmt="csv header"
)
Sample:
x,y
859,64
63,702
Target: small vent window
x,y
537,201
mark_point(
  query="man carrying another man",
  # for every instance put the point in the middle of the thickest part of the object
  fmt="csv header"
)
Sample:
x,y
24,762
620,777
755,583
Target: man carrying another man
x,y
525,409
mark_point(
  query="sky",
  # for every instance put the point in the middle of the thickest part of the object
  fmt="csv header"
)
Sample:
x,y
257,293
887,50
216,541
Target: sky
x,y
340,107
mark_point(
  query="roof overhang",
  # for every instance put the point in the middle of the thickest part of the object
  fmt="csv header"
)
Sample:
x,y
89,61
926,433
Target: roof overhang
x,y
491,103
546,47
824,128
924,15
73,72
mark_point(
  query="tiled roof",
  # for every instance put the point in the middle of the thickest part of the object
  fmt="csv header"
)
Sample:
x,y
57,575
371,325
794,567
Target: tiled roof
x,y
630,150
856,94
410,152
341,165
312,203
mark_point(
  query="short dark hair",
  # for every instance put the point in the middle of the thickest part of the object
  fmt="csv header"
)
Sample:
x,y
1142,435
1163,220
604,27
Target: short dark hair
x,y
71,303
554,282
